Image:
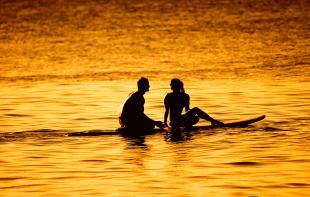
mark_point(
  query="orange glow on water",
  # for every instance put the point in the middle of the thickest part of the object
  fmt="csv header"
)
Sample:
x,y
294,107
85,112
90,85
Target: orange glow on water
x,y
68,66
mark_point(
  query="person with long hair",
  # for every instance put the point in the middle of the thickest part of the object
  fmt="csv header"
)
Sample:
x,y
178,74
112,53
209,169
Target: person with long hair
x,y
176,101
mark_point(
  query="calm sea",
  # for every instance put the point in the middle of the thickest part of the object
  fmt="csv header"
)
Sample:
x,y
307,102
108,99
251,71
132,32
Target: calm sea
x,y
66,66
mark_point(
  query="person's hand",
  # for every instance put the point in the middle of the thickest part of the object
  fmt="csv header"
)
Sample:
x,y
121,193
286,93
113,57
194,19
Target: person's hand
x,y
159,124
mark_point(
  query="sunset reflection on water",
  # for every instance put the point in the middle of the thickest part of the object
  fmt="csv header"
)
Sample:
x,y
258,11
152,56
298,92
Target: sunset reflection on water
x,y
68,66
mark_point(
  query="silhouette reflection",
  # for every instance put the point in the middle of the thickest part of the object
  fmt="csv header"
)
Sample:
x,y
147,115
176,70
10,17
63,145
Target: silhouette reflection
x,y
135,141
178,136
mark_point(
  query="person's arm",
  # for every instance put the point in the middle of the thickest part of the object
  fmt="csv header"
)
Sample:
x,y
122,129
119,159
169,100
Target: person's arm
x,y
187,102
166,111
166,117
144,117
139,112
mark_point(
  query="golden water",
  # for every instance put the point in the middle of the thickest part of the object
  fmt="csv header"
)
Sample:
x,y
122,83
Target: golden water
x,y
67,66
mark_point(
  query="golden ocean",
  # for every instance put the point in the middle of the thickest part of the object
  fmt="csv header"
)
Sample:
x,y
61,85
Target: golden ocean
x,y
66,66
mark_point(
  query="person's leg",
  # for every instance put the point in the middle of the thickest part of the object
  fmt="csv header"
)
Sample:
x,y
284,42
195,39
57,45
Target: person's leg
x,y
203,115
186,120
139,124
146,124
189,119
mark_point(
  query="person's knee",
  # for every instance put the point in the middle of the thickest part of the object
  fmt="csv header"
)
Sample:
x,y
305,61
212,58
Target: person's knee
x,y
195,120
196,109
191,121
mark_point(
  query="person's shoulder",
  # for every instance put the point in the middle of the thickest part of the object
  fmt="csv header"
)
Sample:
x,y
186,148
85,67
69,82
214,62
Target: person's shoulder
x,y
186,95
169,94
136,94
133,96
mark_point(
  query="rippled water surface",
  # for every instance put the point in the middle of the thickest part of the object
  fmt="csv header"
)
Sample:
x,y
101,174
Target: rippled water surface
x,y
66,67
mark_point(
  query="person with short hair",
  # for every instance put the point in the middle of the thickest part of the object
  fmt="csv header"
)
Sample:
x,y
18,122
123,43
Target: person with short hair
x,y
132,116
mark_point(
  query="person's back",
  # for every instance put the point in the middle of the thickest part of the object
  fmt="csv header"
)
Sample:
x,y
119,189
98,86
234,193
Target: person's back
x,y
133,108
176,101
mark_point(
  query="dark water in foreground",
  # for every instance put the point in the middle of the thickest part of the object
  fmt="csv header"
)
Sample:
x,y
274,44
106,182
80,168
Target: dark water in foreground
x,y
67,67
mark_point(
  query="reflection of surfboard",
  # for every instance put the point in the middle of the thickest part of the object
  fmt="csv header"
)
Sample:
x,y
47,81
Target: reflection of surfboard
x,y
243,123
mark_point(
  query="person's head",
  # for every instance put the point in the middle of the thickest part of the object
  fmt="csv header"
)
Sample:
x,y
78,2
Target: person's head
x,y
177,85
143,84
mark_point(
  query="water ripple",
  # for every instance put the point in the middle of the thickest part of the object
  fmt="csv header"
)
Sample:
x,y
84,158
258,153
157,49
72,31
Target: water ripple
x,y
11,178
244,163
18,115
298,185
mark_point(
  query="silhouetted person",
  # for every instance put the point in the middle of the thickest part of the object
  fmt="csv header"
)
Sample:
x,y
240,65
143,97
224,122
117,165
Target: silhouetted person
x,y
178,100
132,117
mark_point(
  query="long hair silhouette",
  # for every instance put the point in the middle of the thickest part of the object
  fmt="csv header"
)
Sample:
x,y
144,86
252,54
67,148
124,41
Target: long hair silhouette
x,y
177,85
